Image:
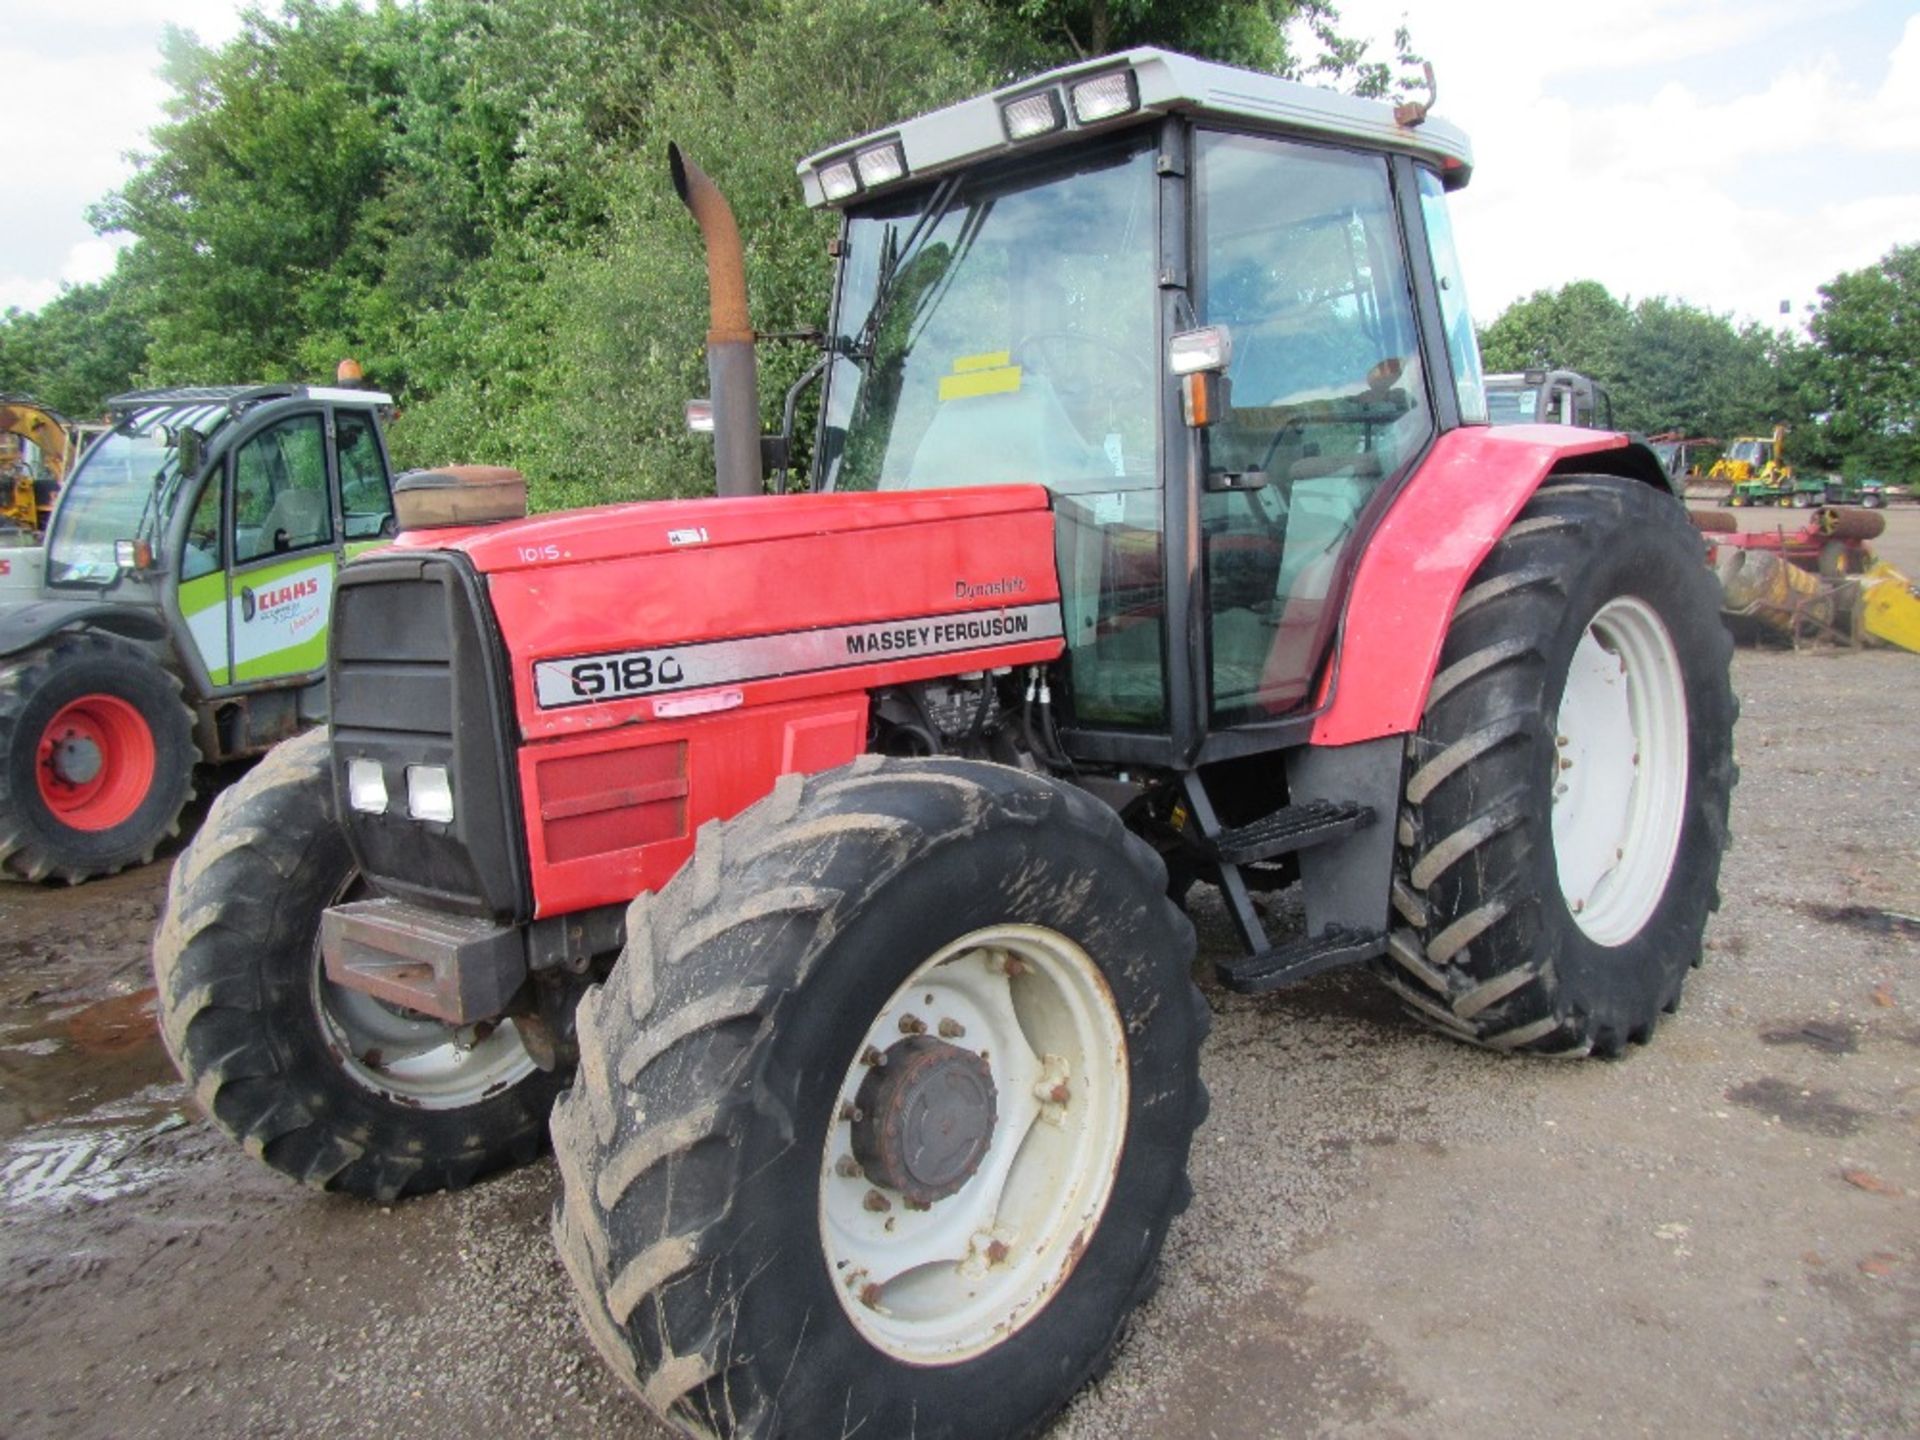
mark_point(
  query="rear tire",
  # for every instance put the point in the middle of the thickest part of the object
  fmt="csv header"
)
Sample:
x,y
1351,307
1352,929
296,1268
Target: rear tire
x,y
702,1143
96,759
282,1060
1518,933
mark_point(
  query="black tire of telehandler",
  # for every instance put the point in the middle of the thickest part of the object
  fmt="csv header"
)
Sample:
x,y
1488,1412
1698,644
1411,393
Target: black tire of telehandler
x,y
35,844
234,963
691,1144
1487,948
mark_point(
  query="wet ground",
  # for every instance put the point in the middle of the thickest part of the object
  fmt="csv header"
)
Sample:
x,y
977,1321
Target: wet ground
x,y
1392,1235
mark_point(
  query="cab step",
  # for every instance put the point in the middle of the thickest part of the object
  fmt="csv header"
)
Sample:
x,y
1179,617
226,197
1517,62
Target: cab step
x,y
1298,960
1290,828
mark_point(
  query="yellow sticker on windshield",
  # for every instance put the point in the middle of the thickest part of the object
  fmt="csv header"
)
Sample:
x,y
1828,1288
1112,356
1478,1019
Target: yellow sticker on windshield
x,y
1003,381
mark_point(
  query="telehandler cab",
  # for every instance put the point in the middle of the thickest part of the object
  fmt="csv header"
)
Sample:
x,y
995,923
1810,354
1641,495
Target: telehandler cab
x,y
828,846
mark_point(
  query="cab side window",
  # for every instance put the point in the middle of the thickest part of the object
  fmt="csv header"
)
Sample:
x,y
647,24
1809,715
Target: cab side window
x,y
280,499
366,504
202,553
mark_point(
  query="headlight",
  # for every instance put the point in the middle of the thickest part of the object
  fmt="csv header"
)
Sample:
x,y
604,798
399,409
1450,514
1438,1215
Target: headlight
x,y
1105,96
1032,115
880,164
429,793
367,786
837,181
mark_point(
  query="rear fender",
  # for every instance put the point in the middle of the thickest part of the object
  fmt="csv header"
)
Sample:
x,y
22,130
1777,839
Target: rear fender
x,y
24,626
1441,526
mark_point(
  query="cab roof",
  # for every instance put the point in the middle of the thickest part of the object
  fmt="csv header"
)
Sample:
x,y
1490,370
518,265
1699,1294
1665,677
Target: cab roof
x,y
1162,82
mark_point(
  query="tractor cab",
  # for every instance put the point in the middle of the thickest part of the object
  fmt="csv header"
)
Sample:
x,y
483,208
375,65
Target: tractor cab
x,y
1549,397
227,509
1220,339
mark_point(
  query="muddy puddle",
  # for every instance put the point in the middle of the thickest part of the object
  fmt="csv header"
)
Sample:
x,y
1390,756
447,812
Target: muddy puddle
x,y
85,1090
60,1062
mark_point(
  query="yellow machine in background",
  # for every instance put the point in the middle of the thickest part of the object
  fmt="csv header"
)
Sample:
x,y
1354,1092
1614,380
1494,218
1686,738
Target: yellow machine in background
x,y
27,487
1754,468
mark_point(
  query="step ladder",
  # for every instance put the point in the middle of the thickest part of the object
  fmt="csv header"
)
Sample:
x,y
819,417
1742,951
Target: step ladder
x,y
1288,830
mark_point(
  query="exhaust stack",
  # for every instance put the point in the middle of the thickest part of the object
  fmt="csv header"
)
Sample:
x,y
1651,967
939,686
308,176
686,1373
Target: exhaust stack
x,y
731,366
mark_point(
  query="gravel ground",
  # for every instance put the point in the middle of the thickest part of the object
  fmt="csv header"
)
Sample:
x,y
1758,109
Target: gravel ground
x,y
1392,1235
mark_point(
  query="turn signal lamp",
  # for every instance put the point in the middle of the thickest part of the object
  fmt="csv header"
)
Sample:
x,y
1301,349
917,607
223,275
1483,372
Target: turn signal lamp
x,y
429,793
367,786
1105,96
837,181
880,163
1033,115
133,554
1193,351
700,416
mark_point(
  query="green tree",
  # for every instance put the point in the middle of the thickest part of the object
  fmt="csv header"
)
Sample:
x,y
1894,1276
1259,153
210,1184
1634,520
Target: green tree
x,y
86,344
1867,378
1667,365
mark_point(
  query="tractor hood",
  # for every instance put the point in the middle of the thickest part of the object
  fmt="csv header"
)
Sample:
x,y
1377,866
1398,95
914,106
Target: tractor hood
x,y
661,527
738,595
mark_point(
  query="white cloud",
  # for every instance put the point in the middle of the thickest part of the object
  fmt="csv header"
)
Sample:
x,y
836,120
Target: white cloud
x,y
82,90
1669,195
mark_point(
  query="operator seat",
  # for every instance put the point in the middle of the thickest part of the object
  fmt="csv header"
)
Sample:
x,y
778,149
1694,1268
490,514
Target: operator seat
x,y
298,515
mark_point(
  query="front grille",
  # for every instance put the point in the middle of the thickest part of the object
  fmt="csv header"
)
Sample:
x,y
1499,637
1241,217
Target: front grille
x,y
418,678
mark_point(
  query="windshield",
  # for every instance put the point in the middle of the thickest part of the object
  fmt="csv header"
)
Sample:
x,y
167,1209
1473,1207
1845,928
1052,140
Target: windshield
x,y
1001,332
1754,452
117,494
1511,407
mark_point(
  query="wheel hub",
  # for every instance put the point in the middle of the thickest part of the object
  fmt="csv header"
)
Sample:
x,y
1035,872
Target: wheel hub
x,y
76,759
926,1117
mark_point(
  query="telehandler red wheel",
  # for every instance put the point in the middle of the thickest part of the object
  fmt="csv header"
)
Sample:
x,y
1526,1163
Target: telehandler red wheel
x,y
328,1085
883,1114
1566,794
96,759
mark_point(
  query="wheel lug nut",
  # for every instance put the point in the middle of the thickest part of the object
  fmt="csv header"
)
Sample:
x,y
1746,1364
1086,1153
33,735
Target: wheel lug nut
x,y
919,1205
951,1029
877,1203
848,1168
912,1025
851,1113
872,1057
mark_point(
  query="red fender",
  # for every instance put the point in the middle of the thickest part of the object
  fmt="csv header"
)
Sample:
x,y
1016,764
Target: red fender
x,y
1460,501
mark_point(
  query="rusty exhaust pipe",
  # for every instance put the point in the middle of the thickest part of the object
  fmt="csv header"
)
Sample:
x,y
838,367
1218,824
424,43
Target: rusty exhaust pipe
x,y
731,366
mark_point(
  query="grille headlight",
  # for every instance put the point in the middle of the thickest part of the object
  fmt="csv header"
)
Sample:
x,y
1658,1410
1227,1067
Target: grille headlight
x,y
429,793
837,181
880,164
1105,96
367,786
1192,351
1032,115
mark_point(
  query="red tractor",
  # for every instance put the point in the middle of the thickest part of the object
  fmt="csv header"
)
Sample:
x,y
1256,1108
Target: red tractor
x,y
830,847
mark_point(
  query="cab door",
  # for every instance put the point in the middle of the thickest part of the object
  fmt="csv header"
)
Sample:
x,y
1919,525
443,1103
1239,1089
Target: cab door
x,y
284,542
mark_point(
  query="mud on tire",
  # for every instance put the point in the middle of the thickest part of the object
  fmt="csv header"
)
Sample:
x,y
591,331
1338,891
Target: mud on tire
x,y
38,840
691,1146
1487,946
236,964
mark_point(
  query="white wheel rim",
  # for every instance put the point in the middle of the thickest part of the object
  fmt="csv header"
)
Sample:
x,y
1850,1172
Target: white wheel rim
x,y
938,1284
1620,771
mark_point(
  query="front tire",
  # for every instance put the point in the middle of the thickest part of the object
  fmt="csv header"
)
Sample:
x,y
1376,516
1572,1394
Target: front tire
x,y
752,1254
326,1085
1565,804
96,759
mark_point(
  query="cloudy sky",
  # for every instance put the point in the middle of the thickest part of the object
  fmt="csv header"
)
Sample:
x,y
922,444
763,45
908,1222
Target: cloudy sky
x,y
1731,153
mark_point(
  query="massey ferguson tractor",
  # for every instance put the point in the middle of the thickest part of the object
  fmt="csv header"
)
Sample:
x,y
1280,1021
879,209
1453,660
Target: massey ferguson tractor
x,y
821,855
